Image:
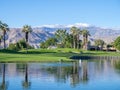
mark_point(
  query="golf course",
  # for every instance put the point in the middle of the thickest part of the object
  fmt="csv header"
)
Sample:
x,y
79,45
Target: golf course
x,y
49,55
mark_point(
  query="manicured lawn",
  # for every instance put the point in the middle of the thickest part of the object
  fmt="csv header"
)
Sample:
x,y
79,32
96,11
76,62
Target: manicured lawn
x,y
49,55
36,55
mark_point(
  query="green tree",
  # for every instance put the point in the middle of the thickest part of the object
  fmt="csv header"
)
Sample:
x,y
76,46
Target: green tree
x,y
74,32
49,42
68,40
99,43
4,28
61,36
26,29
13,47
85,34
79,32
20,45
117,43
42,45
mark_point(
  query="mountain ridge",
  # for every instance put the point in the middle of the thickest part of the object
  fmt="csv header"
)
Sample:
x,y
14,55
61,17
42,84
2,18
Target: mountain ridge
x,y
42,33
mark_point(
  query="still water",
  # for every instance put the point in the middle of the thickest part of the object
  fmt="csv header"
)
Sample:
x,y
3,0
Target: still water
x,y
78,75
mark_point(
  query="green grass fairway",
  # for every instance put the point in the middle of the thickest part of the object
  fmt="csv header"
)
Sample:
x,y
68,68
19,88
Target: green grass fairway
x,y
45,55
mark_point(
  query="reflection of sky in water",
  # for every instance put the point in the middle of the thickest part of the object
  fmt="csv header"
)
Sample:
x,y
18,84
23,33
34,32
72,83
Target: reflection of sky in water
x,y
84,75
51,64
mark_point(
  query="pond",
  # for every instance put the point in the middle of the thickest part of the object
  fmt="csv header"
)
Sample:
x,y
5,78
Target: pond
x,y
77,75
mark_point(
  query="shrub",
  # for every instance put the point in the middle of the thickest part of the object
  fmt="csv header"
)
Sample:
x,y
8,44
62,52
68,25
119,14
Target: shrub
x,y
117,43
20,45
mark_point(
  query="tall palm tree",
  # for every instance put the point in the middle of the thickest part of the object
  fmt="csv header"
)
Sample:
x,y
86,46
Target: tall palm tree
x,y
26,29
74,33
4,28
79,32
85,34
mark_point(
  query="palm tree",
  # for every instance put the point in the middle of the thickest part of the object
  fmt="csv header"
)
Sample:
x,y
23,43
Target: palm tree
x,y
4,28
74,33
79,32
69,41
85,34
61,36
26,29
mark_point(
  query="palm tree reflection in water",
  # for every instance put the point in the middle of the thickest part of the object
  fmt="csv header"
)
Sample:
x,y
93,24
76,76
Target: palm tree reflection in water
x,y
3,85
26,84
79,73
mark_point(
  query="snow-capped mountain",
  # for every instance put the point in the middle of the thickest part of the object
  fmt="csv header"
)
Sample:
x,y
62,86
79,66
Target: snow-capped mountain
x,y
66,26
107,34
43,32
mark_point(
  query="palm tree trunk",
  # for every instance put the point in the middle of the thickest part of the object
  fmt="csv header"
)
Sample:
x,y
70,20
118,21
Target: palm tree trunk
x,y
74,44
4,39
0,42
78,42
86,42
73,41
26,36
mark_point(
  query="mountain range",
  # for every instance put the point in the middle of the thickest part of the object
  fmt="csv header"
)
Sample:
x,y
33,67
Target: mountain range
x,y
41,33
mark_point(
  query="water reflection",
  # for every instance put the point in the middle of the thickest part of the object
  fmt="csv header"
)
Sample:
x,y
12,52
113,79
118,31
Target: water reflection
x,y
26,84
4,84
72,74
24,68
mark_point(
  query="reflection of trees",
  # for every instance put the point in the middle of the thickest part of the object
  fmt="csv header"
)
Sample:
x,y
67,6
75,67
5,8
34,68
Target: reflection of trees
x,y
3,85
23,67
79,74
26,84
75,78
61,72
75,72
20,67
116,64
85,72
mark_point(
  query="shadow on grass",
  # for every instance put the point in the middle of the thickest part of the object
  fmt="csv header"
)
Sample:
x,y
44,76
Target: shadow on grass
x,y
37,52
23,52
8,51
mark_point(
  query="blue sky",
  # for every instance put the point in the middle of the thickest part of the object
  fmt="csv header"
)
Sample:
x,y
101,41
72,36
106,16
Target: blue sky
x,y
104,13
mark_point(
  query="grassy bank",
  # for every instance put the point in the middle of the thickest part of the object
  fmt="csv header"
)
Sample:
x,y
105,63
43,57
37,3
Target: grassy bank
x,y
48,55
